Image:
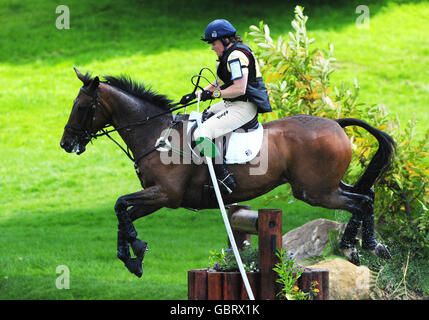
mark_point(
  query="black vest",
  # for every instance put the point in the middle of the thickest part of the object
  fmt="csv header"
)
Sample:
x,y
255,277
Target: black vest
x,y
256,91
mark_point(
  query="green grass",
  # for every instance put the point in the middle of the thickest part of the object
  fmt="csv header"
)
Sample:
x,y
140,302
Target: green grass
x,y
57,208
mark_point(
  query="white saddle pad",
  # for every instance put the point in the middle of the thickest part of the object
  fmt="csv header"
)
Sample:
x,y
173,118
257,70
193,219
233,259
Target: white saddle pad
x,y
241,147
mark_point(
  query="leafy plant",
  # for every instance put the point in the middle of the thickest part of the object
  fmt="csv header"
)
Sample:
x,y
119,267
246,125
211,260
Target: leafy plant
x,y
224,260
288,273
298,82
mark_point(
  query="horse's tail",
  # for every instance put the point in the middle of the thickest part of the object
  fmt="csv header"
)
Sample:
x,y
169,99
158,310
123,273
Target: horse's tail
x,y
382,159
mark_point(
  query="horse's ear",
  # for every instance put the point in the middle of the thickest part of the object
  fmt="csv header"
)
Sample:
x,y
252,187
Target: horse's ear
x,y
94,84
79,75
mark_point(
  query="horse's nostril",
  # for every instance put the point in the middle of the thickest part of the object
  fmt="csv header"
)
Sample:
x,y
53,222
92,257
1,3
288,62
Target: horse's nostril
x,y
62,144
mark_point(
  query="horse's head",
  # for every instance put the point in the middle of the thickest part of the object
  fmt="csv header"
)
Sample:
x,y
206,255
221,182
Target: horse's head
x,y
86,118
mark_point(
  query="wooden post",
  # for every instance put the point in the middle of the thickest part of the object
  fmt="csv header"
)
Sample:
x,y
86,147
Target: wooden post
x,y
269,239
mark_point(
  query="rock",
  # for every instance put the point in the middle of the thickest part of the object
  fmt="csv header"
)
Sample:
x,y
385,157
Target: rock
x,y
346,281
310,239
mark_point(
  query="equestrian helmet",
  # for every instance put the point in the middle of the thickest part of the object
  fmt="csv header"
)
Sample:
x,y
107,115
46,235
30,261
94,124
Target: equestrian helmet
x,y
219,28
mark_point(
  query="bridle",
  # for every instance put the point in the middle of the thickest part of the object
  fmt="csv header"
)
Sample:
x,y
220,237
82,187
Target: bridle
x,y
89,118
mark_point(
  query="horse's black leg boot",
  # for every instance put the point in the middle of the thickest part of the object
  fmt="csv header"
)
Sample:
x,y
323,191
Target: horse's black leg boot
x,y
123,251
139,248
134,265
127,234
127,227
369,241
226,180
349,237
349,240
125,223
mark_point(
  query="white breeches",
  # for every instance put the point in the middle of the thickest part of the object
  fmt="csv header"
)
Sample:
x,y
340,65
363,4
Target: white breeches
x,y
227,117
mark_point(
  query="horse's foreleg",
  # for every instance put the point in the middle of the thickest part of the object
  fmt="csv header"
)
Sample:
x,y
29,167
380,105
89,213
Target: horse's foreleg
x,y
129,208
127,234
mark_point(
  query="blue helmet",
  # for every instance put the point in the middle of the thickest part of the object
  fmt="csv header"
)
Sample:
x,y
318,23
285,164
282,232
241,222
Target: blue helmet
x,y
218,28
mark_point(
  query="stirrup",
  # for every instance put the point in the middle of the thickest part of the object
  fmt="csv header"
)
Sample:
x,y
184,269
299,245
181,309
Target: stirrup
x,y
224,187
227,186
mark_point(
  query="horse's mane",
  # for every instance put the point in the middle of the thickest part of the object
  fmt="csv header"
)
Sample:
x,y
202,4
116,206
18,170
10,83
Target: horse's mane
x,y
138,90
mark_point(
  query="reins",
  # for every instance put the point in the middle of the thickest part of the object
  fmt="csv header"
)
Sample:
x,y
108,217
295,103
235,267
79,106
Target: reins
x,y
161,143
104,132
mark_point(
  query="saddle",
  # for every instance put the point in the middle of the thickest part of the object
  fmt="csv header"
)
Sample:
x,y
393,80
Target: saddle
x,y
239,146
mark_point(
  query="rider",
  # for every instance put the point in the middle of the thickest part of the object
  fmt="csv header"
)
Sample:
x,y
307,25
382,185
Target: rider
x,y
241,87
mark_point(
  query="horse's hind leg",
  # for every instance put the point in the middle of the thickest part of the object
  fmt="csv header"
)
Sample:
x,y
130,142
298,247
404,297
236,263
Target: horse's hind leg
x,y
362,209
356,204
361,206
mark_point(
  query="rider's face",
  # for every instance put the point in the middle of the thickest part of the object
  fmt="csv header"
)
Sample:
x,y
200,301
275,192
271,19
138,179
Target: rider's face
x,y
217,46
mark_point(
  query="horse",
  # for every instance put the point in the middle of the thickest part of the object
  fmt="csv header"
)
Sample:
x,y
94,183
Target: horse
x,y
310,153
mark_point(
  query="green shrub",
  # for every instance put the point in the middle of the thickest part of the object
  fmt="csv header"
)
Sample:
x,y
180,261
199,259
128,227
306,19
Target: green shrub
x,y
298,82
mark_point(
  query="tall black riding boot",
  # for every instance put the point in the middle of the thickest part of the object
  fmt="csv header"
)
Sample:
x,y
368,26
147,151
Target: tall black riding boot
x,y
226,180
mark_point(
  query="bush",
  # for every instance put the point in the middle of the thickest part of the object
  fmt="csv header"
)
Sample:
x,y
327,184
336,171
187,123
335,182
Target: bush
x,y
298,82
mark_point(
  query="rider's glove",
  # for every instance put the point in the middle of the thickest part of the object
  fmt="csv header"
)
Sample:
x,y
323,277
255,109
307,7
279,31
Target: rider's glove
x,y
187,98
206,95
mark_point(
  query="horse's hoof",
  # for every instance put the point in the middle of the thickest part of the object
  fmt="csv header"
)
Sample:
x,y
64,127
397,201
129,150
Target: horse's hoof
x,y
139,248
135,266
381,251
352,255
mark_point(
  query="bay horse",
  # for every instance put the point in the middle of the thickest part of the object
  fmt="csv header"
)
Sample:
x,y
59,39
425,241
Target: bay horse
x,y
310,153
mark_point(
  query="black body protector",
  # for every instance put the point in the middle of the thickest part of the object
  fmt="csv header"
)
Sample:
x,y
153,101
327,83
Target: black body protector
x,y
256,91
